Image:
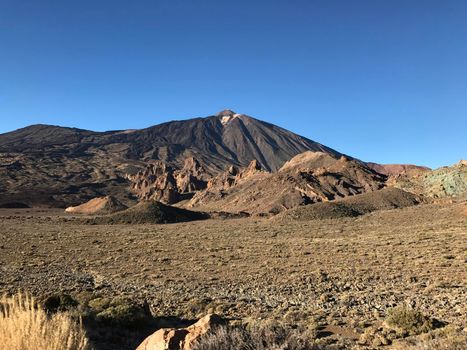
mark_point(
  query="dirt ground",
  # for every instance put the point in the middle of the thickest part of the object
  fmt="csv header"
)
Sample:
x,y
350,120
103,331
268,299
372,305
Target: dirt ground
x,y
337,276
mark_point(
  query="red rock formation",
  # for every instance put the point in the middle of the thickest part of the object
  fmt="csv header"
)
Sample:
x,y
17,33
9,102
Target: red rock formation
x,y
192,176
161,182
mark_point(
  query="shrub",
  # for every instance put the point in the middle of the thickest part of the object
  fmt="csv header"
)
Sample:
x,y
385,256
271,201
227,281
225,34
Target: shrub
x,y
256,338
408,321
119,311
24,326
59,302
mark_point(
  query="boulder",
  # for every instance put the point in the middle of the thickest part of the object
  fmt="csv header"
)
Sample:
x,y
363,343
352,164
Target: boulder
x,y
182,338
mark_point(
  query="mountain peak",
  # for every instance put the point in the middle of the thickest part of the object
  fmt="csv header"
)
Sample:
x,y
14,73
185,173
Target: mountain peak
x,y
226,113
227,116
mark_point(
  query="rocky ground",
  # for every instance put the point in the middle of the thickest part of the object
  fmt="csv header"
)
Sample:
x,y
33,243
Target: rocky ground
x,y
338,277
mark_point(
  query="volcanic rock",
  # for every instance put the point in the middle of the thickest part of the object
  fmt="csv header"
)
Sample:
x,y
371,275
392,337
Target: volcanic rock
x,y
218,186
181,338
156,182
307,178
192,177
233,176
384,199
445,182
161,182
101,205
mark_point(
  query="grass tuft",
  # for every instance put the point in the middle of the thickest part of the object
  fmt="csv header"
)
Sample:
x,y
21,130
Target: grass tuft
x,y
24,326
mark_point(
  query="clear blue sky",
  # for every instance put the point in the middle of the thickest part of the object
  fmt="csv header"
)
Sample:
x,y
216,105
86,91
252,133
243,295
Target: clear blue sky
x,y
383,81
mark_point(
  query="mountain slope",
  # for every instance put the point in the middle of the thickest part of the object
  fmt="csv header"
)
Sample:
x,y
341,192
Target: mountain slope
x,y
51,165
361,204
310,177
397,169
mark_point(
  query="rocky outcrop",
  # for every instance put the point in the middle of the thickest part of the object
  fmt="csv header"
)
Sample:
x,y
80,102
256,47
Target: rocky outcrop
x,y
446,182
162,182
192,177
218,186
310,177
156,181
101,205
233,176
252,169
181,338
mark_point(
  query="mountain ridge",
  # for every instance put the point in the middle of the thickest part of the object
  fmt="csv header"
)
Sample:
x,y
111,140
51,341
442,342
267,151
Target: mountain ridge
x,y
65,166
241,140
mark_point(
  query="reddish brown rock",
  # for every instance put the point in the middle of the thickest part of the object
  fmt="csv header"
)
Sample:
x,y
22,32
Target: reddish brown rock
x,y
309,177
219,185
192,177
162,182
156,182
181,339
252,169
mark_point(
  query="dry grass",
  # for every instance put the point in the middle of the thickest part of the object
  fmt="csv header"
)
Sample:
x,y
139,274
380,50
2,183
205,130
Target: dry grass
x,y
257,338
23,326
442,339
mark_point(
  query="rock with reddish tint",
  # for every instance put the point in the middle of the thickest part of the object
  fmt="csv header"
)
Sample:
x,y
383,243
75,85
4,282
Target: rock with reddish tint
x,y
310,177
183,338
164,183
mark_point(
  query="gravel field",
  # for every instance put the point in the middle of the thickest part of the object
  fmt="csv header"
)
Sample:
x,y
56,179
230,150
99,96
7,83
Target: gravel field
x,y
337,276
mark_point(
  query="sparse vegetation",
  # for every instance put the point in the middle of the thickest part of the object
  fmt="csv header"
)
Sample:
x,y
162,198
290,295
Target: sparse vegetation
x,y
408,321
447,338
268,337
24,326
118,311
336,278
